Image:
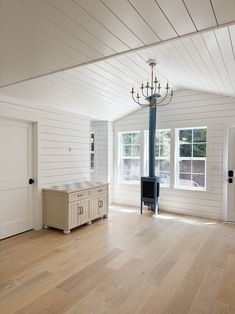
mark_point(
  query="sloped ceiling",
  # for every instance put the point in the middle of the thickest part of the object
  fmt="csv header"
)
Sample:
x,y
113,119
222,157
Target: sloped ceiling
x,y
38,37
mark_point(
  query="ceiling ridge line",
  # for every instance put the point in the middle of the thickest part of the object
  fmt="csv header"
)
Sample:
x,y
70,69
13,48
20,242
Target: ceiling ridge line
x,y
123,53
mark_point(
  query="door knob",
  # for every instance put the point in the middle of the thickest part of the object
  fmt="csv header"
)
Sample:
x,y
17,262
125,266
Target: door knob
x,y
31,181
230,173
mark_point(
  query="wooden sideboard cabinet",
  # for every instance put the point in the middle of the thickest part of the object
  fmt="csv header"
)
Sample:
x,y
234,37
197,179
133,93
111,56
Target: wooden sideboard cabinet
x,y
69,206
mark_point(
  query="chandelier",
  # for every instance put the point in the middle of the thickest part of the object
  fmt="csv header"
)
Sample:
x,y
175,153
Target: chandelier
x,y
152,92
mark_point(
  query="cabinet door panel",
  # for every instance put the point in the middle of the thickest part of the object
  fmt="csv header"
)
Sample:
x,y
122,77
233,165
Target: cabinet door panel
x,y
84,211
74,215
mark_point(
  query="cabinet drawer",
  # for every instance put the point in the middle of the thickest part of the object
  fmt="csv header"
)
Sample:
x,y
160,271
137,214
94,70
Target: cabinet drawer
x,y
100,190
79,195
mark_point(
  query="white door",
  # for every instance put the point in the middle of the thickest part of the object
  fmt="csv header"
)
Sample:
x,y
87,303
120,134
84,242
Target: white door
x,y
16,194
231,175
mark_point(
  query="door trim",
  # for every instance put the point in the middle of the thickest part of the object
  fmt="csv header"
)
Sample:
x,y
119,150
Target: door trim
x,y
229,131
36,121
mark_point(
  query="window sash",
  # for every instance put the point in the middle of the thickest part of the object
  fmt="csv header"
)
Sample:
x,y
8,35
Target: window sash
x,y
122,157
191,159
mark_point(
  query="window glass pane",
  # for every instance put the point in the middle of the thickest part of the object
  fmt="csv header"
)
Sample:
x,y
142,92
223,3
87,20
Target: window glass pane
x,y
185,166
185,180
185,136
135,169
185,150
164,177
157,165
136,150
199,135
164,150
198,166
157,151
199,150
127,138
164,165
127,164
199,180
136,138
126,176
126,150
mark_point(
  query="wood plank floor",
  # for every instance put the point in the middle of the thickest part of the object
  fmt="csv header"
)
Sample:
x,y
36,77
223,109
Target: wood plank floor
x,y
124,264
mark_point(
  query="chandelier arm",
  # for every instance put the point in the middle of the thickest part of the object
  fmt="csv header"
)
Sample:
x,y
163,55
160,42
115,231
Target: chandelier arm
x,y
166,102
161,100
135,100
143,93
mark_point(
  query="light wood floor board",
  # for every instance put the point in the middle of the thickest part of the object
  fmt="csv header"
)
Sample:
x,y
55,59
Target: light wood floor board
x,y
127,263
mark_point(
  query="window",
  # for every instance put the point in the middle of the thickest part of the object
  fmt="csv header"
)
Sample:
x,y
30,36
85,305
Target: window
x,y
129,145
191,156
162,155
92,151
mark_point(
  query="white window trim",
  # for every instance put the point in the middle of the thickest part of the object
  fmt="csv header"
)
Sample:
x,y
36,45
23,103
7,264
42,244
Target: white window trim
x,y
173,156
119,178
177,158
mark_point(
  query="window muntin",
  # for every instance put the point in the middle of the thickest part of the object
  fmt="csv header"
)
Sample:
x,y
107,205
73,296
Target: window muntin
x,y
162,155
191,158
129,150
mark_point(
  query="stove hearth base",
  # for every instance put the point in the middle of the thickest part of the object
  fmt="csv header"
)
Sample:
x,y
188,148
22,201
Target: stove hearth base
x,y
150,193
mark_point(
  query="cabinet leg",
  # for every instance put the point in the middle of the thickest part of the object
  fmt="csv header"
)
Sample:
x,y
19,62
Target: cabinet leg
x,y
89,223
45,227
66,232
105,216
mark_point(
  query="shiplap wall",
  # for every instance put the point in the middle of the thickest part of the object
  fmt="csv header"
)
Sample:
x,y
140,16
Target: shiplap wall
x,y
103,132
65,148
58,133
188,109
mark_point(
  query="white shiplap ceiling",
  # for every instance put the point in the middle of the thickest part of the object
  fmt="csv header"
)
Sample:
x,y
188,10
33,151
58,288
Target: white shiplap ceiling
x,y
38,37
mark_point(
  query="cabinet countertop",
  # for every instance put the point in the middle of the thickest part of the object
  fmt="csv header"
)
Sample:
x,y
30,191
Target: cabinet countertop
x,y
75,187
